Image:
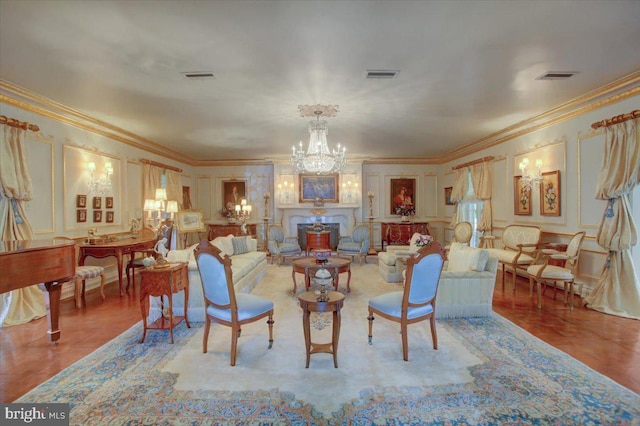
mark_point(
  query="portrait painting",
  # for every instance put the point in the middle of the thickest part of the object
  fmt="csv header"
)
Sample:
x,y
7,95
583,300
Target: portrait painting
x,y
233,192
109,202
97,202
521,197
550,194
403,197
318,187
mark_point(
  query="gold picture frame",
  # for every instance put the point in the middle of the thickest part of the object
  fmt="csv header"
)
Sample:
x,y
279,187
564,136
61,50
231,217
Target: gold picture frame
x,y
550,194
190,221
521,198
81,201
447,196
313,188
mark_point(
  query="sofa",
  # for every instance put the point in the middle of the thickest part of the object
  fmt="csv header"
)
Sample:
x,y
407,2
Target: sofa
x,y
248,267
466,283
390,264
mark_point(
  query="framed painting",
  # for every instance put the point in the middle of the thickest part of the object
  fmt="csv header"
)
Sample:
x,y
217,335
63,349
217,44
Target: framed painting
x,y
109,217
81,215
190,221
402,197
108,202
97,216
97,202
314,188
233,192
550,194
447,196
521,197
81,201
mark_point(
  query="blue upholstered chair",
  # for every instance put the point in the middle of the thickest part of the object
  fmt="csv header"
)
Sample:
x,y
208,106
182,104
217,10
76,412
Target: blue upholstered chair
x,y
83,273
222,305
417,302
355,245
281,246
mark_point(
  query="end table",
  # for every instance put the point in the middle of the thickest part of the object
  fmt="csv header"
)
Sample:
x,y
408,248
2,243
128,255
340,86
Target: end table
x,y
164,281
309,303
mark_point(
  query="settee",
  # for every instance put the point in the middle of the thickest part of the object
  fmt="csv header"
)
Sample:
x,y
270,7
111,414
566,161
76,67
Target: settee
x,y
466,283
248,267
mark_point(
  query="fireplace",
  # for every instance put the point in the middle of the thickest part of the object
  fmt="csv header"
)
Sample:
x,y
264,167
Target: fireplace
x,y
334,228
340,216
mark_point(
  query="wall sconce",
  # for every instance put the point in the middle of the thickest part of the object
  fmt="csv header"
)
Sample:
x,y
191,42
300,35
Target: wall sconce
x,y
243,213
101,185
530,180
283,190
350,191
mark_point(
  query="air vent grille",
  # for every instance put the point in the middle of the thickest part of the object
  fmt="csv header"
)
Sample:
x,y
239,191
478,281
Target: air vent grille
x,y
198,74
557,75
382,74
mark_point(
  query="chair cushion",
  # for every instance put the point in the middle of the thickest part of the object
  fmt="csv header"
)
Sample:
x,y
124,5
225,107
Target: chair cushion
x,y
350,247
239,245
391,304
463,258
249,306
551,272
89,271
289,248
507,256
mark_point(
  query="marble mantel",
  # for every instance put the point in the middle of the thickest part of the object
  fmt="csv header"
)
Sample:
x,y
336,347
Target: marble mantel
x,y
344,214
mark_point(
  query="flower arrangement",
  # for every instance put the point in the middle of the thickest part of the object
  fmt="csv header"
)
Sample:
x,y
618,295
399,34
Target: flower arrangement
x,y
424,240
228,211
406,210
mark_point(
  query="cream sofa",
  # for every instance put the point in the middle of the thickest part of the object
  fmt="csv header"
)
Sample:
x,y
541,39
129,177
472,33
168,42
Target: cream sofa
x,y
466,283
248,269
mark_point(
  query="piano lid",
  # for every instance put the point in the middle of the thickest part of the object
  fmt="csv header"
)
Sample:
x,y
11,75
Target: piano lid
x,y
7,247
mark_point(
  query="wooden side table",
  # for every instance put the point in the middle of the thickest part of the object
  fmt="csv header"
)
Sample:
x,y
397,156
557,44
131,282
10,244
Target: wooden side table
x,y
160,282
319,240
309,303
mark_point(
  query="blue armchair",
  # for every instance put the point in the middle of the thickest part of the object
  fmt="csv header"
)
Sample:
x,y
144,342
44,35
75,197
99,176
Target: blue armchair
x,y
355,245
281,246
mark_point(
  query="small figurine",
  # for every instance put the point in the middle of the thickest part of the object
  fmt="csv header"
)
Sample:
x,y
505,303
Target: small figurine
x,y
161,247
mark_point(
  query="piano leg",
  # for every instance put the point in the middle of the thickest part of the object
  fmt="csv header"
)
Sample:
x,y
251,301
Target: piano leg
x,y
52,298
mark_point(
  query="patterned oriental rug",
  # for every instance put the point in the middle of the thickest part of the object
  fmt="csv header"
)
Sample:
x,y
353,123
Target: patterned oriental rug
x,y
486,371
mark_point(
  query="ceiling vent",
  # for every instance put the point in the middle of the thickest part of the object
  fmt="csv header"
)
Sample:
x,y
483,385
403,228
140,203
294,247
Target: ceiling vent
x,y
382,73
198,74
556,75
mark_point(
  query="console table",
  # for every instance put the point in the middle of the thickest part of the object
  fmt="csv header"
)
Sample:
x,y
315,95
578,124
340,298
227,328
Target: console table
x,y
399,233
318,239
222,230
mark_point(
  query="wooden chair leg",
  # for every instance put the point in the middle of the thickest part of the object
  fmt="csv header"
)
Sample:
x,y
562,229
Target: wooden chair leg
x,y
102,280
434,334
405,341
270,322
234,344
77,292
205,338
539,295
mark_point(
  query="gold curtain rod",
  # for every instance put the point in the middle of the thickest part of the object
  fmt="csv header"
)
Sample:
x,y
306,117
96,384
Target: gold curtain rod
x,y
617,119
12,122
164,166
471,163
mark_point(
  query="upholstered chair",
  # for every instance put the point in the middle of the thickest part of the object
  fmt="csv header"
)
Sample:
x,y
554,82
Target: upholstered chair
x,y
222,305
545,273
462,233
83,273
281,246
165,231
417,302
357,244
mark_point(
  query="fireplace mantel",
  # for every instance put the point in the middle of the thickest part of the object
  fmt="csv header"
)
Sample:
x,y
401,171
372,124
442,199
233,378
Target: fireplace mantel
x,y
291,216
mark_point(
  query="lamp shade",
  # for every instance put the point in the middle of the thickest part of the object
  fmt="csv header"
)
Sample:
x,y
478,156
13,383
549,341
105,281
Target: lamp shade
x,y
172,206
161,194
149,205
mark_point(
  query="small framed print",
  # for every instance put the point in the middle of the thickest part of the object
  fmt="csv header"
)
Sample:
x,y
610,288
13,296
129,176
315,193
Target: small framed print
x,y
447,196
81,214
97,202
550,194
521,197
81,201
109,218
109,202
97,216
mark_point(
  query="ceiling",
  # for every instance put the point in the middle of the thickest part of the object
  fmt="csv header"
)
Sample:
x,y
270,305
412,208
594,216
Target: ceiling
x,y
467,68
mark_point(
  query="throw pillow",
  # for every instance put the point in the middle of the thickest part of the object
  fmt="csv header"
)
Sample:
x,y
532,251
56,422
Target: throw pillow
x,y
225,244
464,258
239,245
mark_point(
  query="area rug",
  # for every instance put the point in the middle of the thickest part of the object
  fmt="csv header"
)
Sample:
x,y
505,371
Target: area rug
x,y
485,371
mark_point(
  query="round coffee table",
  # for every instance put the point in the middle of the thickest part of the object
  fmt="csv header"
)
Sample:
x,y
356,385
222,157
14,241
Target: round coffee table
x,y
308,267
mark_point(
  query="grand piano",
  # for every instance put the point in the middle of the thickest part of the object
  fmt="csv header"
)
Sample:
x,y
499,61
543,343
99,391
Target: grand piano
x,y
47,262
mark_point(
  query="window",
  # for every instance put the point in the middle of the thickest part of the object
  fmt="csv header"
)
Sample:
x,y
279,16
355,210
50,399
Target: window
x,y
470,210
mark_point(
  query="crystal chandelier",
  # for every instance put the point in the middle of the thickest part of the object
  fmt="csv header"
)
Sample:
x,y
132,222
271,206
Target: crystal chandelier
x,y
318,158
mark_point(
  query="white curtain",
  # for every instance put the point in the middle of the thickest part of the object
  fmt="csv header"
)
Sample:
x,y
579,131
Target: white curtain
x,y
174,186
23,305
618,289
151,180
459,190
